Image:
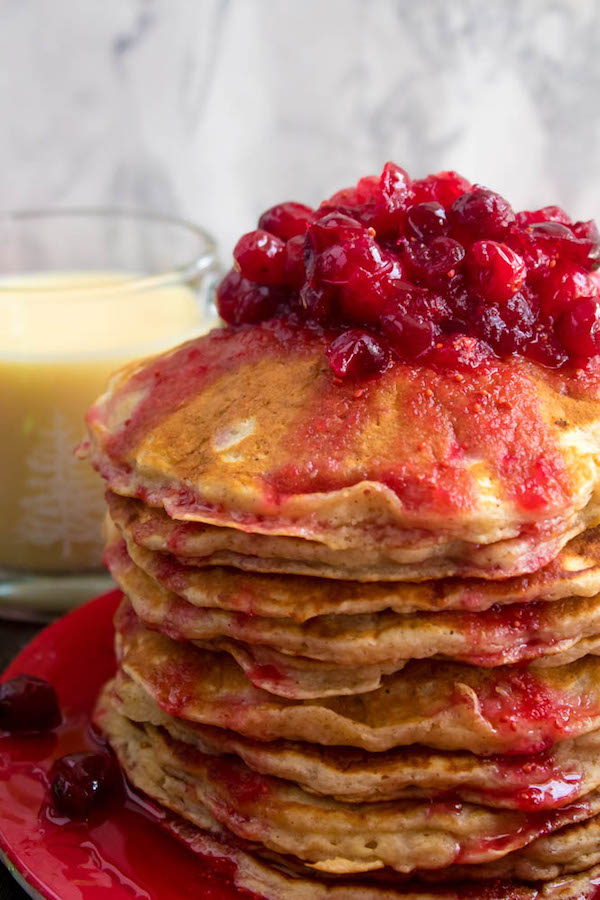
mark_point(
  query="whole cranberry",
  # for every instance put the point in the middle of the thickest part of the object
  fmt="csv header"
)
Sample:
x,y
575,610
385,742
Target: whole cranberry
x,y
481,213
81,782
507,327
562,284
332,228
441,255
579,328
589,238
562,242
364,192
357,354
261,257
28,705
411,334
444,187
427,220
546,214
537,255
545,348
377,201
394,190
496,271
240,301
319,301
348,274
286,220
295,271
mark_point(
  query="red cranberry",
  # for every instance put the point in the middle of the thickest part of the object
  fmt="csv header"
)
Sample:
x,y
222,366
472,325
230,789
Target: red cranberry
x,y
410,334
28,705
81,782
536,255
496,271
544,348
559,241
427,220
348,274
261,257
286,220
377,202
240,301
319,301
394,186
588,234
331,228
482,213
444,187
507,327
579,328
441,255
364,295
546,214
562,284
357,354
295,272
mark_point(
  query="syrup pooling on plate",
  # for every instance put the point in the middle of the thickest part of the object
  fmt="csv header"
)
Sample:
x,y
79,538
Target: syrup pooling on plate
x,y
434,269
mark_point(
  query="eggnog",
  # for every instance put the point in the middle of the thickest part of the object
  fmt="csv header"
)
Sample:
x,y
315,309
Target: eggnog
x,y
61,335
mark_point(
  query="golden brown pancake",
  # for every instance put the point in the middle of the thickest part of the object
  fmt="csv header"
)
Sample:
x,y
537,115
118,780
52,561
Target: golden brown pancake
x,y
245,428
280,878
449,706
334,837
356,651
545,781
575,572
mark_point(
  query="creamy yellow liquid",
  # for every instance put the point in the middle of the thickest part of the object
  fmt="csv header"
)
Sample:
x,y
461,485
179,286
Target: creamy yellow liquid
x,y
61,335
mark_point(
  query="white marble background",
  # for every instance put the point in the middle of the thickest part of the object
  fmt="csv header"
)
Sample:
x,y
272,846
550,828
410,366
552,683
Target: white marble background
x,y
215,109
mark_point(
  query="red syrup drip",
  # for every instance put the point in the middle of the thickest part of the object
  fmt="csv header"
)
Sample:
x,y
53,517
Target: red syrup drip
x,y
123,850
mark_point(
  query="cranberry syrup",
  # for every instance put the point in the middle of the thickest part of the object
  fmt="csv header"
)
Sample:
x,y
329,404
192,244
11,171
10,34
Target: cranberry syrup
x,y
407,269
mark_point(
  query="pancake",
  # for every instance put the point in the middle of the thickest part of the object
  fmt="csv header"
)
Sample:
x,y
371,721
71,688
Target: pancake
x,y
152,539
246,428
212,545
545,781
449,706
330,836
279,878
359,650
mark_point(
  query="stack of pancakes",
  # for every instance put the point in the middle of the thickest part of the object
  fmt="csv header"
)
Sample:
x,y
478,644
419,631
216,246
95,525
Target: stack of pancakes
x,y
357,649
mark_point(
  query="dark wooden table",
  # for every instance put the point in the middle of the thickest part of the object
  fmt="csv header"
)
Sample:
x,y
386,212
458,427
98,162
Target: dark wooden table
x,y
13,637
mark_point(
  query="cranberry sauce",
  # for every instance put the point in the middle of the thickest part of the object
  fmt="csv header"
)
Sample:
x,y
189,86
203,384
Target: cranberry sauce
x,y
407,269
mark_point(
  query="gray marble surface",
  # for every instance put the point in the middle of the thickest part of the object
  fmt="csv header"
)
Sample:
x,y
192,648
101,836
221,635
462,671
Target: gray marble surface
x,y
214,109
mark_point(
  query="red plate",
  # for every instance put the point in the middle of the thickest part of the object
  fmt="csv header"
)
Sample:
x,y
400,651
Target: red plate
x,y
126,851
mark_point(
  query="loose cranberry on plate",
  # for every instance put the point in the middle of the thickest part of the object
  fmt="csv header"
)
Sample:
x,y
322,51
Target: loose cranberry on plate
x,y
28,705
80,783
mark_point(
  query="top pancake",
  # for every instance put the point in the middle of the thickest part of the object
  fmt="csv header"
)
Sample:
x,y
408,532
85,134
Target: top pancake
x,y
246,428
